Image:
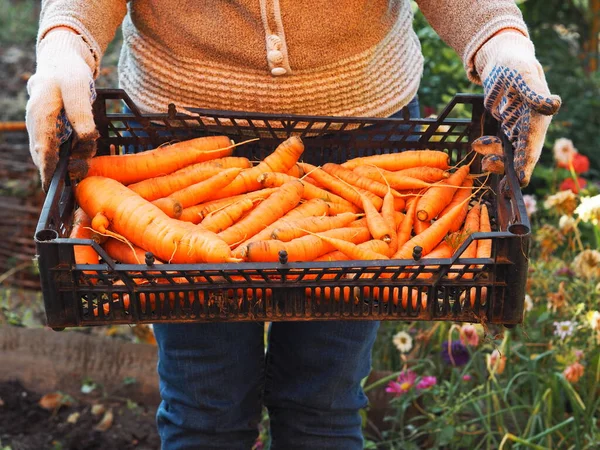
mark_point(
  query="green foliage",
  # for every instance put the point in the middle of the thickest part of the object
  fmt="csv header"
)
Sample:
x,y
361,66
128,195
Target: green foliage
x,y
18,21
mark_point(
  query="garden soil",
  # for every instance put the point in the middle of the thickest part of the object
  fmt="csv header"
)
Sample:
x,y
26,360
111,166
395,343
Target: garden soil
x,y
25,425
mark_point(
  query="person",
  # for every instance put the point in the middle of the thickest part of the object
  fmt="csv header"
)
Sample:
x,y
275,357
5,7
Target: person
x,y
344,58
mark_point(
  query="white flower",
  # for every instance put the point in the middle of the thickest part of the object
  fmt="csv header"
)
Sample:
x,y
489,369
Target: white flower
x,y
564,201
564,150
528,303
403,341
589,209
530,204
564,329
566,224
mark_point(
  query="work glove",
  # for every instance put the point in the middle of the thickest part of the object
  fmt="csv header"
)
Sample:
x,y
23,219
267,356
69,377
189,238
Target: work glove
x,y
517,95
61,93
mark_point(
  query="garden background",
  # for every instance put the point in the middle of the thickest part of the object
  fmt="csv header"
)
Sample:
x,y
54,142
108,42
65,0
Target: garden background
x,y
436,386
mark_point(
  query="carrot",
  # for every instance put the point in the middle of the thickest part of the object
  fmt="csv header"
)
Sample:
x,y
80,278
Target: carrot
x,y
403,160
484,246
484,250
427,174
163,186
196,193
388,213
305,248
420,225
378,227
275,179
195,214
268,211
339,208
314,207
339,188
398,219
374,245
350,177
352,251
458,197
125,254
109,203
406,227
431,237
134,167
296,171
359,223
293,229
281,160
438,197
82,229
224,218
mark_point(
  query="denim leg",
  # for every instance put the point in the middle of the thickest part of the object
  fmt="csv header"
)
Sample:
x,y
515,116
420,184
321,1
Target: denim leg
x,y
312,385
211,378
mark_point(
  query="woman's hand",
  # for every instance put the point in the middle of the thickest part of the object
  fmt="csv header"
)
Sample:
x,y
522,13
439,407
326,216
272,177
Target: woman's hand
x,y
61,93
517,95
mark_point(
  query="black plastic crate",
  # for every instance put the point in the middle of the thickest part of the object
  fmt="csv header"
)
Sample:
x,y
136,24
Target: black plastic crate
x,y
111,293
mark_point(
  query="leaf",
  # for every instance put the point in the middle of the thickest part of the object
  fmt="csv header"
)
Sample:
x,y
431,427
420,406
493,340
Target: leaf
x,y
446,435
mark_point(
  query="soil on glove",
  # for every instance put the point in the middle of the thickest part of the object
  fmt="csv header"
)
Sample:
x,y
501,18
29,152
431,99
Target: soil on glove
x,y
25,425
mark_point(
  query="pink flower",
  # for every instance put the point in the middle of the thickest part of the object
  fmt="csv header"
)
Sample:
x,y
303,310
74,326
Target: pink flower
x,y
403,383
467,377
427,382
468,335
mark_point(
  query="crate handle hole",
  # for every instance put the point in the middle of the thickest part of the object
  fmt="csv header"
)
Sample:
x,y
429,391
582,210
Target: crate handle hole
x,y
46,235
519,229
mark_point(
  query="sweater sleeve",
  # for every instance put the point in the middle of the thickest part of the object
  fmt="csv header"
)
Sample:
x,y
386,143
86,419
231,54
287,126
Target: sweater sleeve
x,y
95,20
465,25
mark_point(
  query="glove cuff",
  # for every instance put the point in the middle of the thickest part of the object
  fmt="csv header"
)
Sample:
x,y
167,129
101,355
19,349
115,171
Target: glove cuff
x,y
503,47
60,44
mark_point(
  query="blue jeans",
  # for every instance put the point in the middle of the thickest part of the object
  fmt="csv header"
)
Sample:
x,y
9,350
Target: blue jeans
x,y
215,377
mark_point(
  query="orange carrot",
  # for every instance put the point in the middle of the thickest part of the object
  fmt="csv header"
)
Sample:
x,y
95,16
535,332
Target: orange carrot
x,y
458,197
438,197
388,213
403,160
224,218
109,203
350,177
484,246
431,237
406,227
352,251
275,179
281,160
296,171
427,174
378,227
374,245
196,193
268,211
135,167
125,254
195,214
163,186
82,229
341,189
314,207
305,248
293,229
420,225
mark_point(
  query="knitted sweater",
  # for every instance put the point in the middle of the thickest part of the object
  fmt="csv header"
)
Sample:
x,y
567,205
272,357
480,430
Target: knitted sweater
x,y
321,57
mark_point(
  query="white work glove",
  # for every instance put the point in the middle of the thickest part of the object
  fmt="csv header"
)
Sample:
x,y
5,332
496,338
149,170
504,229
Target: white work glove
x,y
517,95
61,93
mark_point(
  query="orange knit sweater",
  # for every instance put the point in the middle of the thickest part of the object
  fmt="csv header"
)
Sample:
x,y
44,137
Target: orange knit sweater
x,y
321,57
